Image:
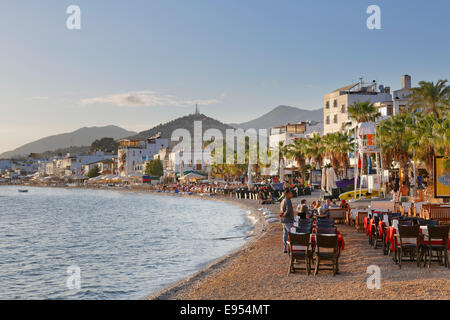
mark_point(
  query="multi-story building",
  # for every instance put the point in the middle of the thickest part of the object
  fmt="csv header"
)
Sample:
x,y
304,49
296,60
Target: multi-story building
x,y
287,134
399,101
134,153
336,103
106,166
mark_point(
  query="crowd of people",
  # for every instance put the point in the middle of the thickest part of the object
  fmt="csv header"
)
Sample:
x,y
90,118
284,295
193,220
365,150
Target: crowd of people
x,y
316,209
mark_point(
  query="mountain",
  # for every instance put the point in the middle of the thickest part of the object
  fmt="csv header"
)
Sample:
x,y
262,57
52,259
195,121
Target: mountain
x,y
186,122
281,115
81,137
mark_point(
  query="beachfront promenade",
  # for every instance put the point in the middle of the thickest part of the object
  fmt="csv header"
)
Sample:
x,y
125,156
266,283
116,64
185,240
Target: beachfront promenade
x,y
259,271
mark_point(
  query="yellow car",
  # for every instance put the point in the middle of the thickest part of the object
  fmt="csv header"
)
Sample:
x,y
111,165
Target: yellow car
x,y
364,194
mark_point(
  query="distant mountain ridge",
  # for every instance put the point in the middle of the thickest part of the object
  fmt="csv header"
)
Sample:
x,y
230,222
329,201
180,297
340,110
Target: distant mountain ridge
x,y
281,115
78,138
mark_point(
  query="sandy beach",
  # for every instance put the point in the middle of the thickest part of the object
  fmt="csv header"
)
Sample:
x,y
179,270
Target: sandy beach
x,y
258,270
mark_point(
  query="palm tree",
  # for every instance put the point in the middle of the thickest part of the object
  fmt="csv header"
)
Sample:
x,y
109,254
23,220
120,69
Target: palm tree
x,y
363,112
315,149
297,151
282,152
431,98
396,141
428,140
337,146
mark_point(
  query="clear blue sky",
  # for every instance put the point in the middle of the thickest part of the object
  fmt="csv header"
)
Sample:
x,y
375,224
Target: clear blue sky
x,y
238,59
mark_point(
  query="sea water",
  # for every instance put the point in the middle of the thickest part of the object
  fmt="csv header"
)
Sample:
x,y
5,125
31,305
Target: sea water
x,y
103,244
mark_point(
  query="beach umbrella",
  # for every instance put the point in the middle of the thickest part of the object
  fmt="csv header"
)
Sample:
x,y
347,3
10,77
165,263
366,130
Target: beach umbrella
x,y
250,182
331,180
181,168
282,170
324,179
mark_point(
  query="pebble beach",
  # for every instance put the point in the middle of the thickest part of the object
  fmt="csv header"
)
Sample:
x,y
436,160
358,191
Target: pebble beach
x,y
258,270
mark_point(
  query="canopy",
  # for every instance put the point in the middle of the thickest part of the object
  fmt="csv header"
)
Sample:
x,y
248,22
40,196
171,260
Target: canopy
x,y
192,176
366,128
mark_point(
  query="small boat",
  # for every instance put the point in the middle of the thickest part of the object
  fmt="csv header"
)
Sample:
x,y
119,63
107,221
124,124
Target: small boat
x,y
23,190
364,193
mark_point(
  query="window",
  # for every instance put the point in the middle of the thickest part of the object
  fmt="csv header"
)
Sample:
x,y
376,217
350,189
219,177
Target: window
x,y
327,105
389,110
335,118
328,120
335,104
343,108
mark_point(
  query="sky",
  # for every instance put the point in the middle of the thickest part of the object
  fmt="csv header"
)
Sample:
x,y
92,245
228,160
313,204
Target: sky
x,y
139,63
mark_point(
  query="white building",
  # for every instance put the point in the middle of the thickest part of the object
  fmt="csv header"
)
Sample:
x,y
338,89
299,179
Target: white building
x,y
134,153
399,102
336,103
287,134
5,164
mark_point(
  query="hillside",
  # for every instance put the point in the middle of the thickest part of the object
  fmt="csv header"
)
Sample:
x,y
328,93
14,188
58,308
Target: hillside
x,y
81,137
281,115
186,122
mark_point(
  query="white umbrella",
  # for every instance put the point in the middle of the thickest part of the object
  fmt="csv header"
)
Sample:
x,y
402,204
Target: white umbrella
x,y
324,179
181,168
281,170
331,180
250,182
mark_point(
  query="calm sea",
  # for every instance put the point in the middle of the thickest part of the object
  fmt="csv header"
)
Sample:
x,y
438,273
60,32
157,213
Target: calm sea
x,y
124,245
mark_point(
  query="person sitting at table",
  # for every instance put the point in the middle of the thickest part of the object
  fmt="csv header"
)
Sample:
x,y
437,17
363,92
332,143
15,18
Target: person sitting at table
x,y
327,204
315,210
323,213
312,206
302,210
344,204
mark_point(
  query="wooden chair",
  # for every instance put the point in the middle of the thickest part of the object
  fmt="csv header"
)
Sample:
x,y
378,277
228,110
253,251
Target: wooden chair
x,y
412,248
325,224
327,242
304,228
337,214
326,231
301,251
437,234
359,223
441,213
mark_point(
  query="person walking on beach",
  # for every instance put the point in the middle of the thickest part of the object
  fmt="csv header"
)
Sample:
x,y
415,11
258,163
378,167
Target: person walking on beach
x,y
287,216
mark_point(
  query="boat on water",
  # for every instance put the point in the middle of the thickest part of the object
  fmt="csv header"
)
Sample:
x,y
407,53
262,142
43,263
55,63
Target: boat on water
x,y
23,190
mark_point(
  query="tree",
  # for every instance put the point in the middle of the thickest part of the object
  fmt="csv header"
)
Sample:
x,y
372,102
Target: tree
x,y
94,172
431,98
315,149
396,140
108,145
363,112
297,151
154,168
337,145
429,138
